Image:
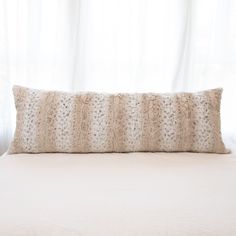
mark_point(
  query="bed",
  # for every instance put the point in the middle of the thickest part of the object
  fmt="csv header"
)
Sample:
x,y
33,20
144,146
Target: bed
x,y
134,194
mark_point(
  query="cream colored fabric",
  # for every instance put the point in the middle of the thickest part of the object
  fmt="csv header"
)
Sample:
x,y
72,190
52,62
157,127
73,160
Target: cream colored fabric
x,y
167,194
95,122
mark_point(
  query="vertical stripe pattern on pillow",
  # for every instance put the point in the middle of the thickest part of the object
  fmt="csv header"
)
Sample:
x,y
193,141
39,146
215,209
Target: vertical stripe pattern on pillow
x,y
50,121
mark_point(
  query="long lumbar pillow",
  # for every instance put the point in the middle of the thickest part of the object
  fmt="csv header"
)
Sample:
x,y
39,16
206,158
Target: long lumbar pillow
x,y
50,121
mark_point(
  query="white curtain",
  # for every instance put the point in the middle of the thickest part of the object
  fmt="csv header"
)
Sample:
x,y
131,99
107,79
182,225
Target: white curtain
x,y
117,46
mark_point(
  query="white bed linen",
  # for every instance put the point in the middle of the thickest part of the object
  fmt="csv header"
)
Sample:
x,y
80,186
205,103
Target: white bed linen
x,y
138,194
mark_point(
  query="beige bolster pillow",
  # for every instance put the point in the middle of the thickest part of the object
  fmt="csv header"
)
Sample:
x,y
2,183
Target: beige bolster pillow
x,y
50,121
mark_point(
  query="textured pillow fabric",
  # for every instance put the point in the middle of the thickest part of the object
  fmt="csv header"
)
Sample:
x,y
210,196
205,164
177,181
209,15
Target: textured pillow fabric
x,y
49,121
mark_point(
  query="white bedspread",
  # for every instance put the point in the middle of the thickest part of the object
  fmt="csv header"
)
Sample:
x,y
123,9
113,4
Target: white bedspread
x,y
139,194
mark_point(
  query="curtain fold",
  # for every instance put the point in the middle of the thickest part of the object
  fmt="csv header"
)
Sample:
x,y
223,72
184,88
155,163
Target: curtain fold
x,y
5,85
117,46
